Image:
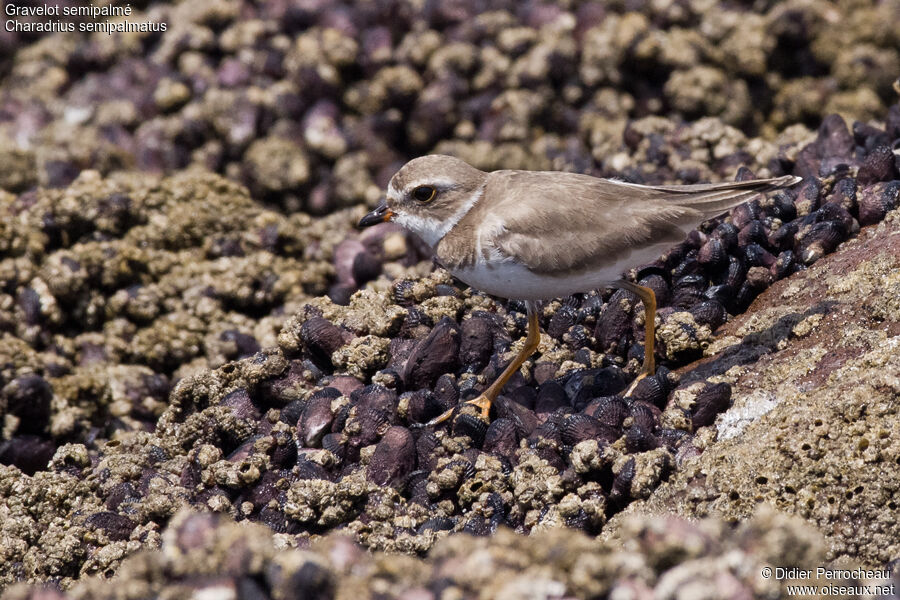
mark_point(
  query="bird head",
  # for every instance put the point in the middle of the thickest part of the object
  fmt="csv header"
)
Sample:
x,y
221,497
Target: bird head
x,y
429,195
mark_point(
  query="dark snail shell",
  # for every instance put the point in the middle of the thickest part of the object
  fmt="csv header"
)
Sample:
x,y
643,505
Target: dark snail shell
x,y
713,254
476,342
433,356
394,458
501,438
820,240
609,410
580,427
757,256
621,486
875,201
561,321
785,264
709,312
321,338
712,400
640,439
727,233
782,205
752,232
645,415
472,426
403,292
879,165
653,389
315,421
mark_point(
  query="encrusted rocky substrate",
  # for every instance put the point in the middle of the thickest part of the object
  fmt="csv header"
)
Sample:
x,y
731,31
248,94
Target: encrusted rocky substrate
x,y
209,556
313,105
320,430
814,369
168,341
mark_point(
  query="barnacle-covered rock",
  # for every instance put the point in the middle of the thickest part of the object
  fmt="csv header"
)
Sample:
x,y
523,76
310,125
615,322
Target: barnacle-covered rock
x,y
363,355
682,335
116,285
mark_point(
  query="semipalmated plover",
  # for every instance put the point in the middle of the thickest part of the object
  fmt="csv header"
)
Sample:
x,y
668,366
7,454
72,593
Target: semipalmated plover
x,y
538,235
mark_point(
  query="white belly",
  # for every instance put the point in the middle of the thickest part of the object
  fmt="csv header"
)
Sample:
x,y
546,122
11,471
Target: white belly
x,y
508,279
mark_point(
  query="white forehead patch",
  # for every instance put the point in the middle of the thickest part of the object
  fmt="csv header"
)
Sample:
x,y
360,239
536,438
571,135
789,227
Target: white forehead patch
x,y
393,193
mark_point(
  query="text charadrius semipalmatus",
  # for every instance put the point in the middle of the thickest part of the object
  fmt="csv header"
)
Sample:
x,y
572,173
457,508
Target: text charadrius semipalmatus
x,y
538,235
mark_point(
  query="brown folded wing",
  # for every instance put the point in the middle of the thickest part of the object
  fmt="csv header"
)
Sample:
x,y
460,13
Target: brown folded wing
x,y
559,223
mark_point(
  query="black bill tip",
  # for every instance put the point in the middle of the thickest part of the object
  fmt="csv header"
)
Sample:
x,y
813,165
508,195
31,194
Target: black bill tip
x,y
381,214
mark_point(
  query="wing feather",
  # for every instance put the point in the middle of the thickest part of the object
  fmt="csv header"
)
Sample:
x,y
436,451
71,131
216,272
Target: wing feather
x,y
571,222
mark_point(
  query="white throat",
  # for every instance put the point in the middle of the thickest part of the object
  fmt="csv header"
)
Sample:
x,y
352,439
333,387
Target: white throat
x,y
433,230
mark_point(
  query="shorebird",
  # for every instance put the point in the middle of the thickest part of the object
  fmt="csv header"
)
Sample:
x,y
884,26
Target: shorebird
x,y
539,235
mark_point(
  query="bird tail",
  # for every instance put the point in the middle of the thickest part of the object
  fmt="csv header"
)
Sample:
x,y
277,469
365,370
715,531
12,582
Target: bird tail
x,y
715,198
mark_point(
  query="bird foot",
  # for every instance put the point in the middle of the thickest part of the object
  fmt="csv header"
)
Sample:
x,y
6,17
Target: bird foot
x,y
482,402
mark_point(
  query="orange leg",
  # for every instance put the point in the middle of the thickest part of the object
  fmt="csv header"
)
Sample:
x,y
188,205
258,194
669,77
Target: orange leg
x,y
486,399
649,299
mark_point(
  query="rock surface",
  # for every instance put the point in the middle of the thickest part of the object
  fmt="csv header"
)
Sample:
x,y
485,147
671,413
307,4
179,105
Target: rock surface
x,y
212,385
205,555
813,427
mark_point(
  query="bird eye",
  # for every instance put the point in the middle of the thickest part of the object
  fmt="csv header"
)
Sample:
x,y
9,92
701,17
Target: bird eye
x,y
424,193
